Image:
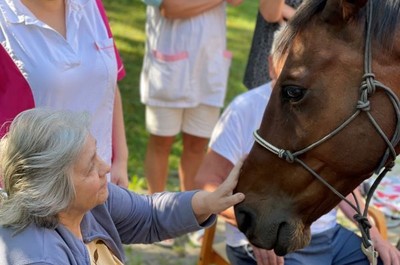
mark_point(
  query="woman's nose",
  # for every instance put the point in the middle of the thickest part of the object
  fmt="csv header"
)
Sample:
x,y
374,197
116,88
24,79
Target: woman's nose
x,y
104,167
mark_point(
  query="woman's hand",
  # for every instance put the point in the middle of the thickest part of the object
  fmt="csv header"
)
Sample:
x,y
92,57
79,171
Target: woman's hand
x,y
205,203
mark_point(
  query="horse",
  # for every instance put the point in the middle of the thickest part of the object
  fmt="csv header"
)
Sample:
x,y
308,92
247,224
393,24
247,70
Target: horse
x,y
331,122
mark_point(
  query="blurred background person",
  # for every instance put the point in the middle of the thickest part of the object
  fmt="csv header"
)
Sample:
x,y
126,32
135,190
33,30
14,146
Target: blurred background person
x,y
183,84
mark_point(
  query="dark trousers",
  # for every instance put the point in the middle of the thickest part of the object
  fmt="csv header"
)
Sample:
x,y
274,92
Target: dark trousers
x,y
337,246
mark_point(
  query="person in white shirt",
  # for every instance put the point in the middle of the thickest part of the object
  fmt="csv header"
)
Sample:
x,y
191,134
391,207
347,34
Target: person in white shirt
x,y
65,53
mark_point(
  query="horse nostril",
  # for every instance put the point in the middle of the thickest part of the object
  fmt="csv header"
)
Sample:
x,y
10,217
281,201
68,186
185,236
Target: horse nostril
x,y
245,219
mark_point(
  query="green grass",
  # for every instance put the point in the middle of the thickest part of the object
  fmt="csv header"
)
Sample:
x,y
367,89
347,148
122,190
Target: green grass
x,y
127,20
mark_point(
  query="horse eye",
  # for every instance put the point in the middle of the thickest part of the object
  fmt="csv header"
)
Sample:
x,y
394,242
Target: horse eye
x,y
293,93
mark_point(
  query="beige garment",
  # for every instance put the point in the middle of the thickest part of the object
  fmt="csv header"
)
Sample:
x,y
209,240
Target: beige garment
x,y
100,254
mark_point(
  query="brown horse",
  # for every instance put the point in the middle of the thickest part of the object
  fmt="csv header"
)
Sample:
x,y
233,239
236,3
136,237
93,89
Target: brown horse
x,y
332,115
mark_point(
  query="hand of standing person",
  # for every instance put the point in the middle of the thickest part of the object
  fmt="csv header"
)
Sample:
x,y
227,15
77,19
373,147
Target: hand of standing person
x,y
234,2
271,10
275,10
119,174
182,9
119,164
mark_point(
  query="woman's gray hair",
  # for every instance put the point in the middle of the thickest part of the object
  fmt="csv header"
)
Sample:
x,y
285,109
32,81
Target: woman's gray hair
x,y
36,158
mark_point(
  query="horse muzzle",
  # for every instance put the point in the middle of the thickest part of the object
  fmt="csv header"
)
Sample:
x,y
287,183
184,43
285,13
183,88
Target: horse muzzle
x,y
279,231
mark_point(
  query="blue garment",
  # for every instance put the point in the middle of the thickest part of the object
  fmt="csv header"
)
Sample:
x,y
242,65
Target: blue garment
x,y
153,2
337,246
124,218
241,255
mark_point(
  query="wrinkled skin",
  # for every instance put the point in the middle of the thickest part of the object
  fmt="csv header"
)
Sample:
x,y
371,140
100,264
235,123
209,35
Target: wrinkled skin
x,y
283,199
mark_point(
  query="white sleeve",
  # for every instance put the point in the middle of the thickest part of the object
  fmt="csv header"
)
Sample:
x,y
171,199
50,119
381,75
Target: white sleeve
x,y
227,137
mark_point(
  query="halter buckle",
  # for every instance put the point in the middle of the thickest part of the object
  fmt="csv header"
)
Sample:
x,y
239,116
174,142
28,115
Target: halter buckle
x,y
371,253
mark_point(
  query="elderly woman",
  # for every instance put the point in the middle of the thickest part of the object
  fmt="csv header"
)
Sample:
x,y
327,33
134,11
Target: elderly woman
x,y
59,209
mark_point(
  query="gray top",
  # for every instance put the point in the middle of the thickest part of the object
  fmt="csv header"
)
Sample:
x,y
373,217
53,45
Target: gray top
x,y
257,71
124,218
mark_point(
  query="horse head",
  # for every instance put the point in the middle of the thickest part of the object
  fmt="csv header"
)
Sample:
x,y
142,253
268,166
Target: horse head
x,y
319,120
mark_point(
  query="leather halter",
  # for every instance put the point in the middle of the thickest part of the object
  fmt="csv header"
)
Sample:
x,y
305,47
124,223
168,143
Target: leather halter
x,y
367,89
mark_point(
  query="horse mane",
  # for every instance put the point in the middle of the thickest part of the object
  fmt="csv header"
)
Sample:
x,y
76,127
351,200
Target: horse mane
x,y
384,21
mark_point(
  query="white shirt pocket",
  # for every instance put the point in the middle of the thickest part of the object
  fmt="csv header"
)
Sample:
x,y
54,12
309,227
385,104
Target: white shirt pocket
x,y
106,53
169,76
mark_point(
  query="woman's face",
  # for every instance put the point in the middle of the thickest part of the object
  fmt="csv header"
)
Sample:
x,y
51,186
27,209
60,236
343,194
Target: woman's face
x,y
89,178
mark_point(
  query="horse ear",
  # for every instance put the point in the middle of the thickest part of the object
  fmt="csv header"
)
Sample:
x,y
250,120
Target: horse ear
x,y
338,11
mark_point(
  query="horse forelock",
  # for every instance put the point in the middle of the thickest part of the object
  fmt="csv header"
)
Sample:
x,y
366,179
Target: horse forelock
x,y
384,22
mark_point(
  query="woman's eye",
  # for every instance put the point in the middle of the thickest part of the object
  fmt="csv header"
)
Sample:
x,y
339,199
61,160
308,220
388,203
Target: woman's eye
x,y
293,93
91,168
